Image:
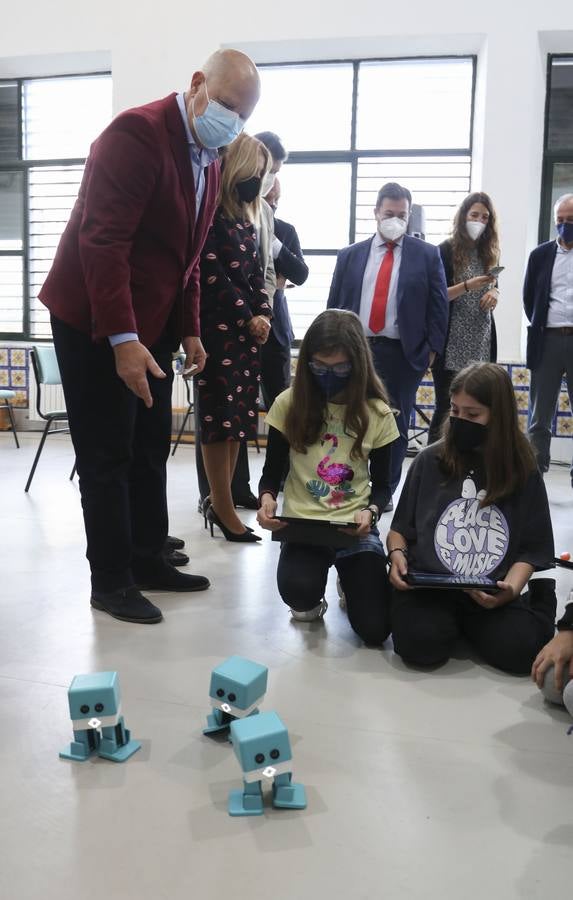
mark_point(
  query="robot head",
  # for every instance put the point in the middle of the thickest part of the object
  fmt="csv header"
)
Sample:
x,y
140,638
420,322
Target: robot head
x,y
237,685
94,696
261,745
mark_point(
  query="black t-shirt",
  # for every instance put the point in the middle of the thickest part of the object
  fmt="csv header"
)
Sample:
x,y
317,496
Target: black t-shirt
x,y
447,530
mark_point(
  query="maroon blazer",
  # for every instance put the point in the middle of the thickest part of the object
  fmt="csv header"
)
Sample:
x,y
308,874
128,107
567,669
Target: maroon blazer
x,y
128,259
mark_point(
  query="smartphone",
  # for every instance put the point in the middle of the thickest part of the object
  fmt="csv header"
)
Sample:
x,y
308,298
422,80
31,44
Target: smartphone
x,y
187,372
496,270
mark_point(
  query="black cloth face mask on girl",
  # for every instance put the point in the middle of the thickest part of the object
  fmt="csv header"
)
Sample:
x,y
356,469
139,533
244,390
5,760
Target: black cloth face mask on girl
x,y
249,190
467,435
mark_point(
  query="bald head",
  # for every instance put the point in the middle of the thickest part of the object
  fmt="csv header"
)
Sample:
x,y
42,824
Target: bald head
x,y
230,77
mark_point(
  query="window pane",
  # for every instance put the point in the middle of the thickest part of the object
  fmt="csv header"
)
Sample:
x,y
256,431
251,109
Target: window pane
x,y
62,116
309,107
11,294
53,191
315,198
414,104
8,121
560,124
437,183
11,210
308,300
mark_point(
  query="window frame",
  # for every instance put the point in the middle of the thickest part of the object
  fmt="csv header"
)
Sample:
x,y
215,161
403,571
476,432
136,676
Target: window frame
x,y
352,155
550,157
24,166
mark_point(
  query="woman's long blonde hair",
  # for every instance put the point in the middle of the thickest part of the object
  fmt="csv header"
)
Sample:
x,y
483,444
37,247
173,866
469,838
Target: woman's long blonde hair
x,y
239,162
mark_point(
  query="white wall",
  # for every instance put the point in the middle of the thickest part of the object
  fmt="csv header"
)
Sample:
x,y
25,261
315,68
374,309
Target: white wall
x,y
154,48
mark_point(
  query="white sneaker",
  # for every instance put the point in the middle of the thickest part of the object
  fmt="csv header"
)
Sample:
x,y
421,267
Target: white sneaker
x,y
341,594
310,615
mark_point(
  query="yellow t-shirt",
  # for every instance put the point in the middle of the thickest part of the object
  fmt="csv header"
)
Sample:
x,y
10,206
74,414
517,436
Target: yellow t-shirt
x,y
325,482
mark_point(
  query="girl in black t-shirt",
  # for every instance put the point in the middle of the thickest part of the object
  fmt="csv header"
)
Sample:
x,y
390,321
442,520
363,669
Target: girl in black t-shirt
x,y
474,506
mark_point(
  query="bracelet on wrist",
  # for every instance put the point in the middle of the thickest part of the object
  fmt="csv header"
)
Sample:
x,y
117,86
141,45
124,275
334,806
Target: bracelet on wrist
x,y
466,287
396,549
373,513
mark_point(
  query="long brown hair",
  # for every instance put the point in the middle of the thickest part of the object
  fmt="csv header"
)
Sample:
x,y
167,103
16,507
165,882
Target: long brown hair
x,y
239,162
332,331
507,454
487,245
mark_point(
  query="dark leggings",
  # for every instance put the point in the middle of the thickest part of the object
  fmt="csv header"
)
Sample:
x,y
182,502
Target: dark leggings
x,y
442,381
426,625
302,574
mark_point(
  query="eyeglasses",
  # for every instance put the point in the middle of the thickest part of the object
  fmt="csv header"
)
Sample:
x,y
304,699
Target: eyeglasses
x,y
340,369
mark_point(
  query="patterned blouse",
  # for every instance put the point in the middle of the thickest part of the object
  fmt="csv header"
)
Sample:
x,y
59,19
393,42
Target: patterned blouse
x,y
469,336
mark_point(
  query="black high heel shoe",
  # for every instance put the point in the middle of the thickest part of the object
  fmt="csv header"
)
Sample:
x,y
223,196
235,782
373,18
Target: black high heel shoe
x,y
246,537
206,505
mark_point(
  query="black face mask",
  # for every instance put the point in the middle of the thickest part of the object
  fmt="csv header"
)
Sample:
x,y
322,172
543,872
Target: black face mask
x,y
249,190
466,435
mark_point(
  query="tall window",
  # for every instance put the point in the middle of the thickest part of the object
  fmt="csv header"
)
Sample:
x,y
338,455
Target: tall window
x,y
558,145
46,127
350,127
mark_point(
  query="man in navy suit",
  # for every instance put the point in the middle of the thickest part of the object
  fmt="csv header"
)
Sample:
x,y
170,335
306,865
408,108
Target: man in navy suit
x,y
548,304
396,285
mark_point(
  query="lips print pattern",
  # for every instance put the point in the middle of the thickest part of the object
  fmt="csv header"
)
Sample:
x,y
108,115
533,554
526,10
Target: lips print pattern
x,y
232,290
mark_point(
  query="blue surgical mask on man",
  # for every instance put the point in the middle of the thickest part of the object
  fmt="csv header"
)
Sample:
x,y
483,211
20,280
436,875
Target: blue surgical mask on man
x,y
217,126
565,232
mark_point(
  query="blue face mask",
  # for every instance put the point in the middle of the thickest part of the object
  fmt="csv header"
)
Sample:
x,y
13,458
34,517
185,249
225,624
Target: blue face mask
x,y
330,383
565,232
217,126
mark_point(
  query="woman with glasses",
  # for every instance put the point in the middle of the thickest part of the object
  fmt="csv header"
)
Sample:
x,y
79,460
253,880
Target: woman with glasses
x,y
334,428
468,256
235,321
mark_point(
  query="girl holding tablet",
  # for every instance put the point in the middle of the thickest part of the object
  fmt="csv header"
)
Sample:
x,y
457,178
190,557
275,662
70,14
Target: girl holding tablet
x,y
474,505
334,429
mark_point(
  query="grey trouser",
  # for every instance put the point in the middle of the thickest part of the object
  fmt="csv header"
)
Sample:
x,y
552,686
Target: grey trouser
x,y
550,692
556,361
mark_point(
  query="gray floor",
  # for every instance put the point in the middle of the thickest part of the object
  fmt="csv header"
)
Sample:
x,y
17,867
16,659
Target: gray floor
x,y
420,785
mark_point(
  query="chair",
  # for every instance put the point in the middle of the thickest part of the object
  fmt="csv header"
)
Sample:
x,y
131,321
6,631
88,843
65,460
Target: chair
x,y
46,371
187,382
6,396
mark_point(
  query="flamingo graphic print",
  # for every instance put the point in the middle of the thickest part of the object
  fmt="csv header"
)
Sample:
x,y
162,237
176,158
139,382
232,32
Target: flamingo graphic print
x,y
333,477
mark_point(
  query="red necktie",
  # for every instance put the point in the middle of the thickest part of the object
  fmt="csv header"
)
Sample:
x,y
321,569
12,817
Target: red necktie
x,y
380,299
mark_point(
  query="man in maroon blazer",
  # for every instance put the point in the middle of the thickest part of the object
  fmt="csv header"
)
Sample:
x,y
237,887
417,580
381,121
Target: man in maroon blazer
x,y
123,293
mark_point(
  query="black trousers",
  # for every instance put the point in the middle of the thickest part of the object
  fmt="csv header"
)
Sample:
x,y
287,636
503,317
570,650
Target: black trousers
x,y
426,625
442,381
302,574
121,452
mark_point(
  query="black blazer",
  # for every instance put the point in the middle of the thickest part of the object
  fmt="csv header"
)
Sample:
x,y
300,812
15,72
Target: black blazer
x,y
536,290
447,254
291,264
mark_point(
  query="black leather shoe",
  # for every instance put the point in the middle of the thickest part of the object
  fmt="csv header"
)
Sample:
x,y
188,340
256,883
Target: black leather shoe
x,y
173,543
127,606
176,558
160,576
249,501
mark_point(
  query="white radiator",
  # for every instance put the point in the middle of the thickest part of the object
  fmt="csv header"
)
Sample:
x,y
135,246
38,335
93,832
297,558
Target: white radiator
x,y
53,396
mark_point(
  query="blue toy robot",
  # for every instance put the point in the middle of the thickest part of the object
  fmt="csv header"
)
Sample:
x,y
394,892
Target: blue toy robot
x,y
237,687
262,747
95,709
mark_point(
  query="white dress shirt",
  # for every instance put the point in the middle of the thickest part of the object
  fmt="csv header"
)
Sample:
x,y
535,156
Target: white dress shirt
x,y
560,313
378,250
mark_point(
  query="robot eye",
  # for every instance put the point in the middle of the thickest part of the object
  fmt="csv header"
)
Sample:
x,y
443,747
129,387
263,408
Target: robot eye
x,y
274,754
232,697
260,758
84,709
220,692
98,707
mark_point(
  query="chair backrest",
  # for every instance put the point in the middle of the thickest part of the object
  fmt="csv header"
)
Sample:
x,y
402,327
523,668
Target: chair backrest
x,y
45,364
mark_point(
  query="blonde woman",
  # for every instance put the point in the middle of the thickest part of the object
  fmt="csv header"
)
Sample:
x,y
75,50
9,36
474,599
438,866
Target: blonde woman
x,y
235,321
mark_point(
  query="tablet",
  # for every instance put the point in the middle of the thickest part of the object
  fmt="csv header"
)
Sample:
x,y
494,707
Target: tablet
x,y
322,532
451,582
